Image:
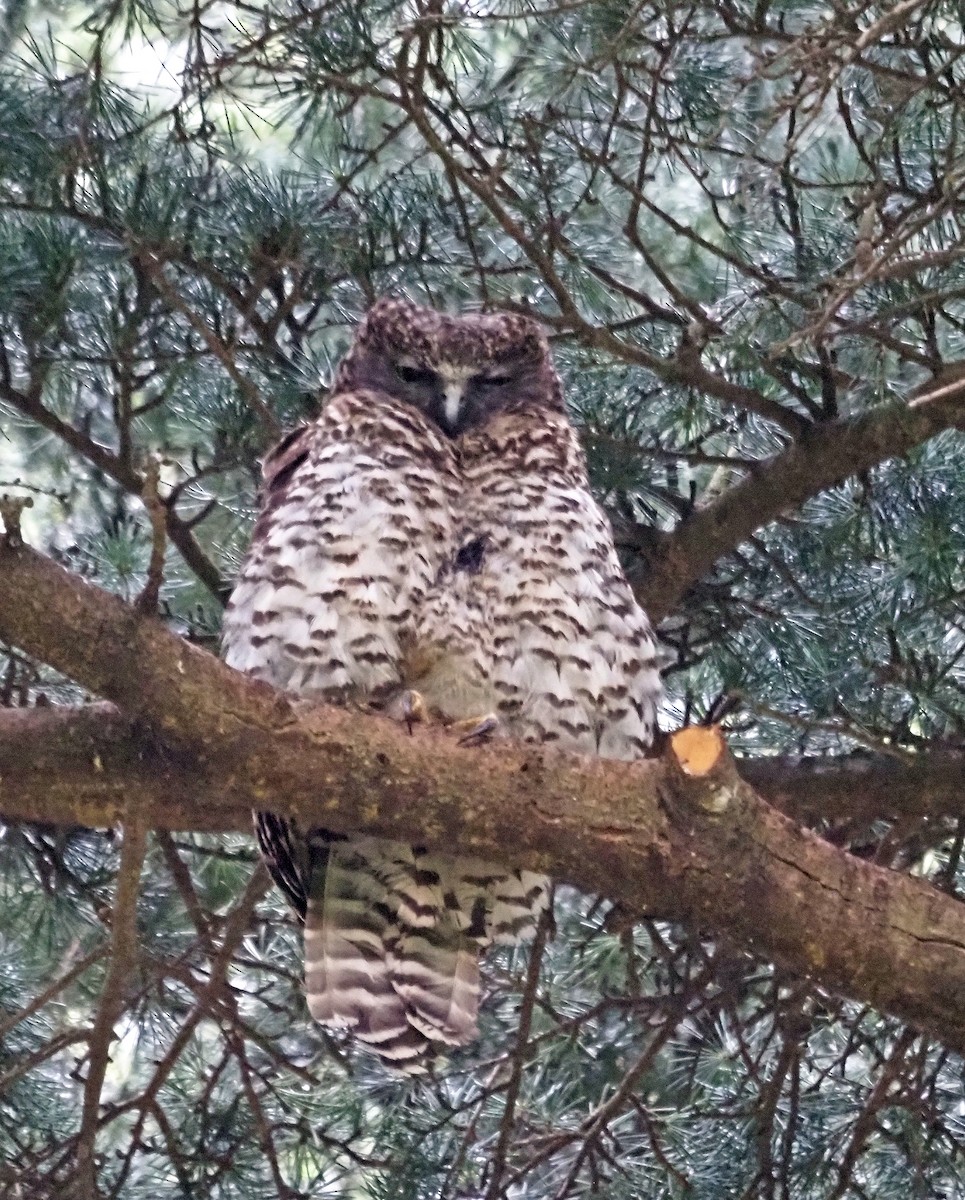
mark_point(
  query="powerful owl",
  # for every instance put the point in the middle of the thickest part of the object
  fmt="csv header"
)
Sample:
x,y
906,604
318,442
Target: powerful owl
x,y
430,546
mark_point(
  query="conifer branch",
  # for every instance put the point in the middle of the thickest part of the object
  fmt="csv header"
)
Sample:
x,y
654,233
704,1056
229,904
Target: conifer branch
x,y
178,529
828,455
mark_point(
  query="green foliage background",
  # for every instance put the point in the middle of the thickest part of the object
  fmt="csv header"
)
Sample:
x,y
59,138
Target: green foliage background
x,y
741,222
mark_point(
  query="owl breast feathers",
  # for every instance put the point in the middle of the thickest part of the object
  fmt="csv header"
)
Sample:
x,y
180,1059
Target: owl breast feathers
x,y
433,534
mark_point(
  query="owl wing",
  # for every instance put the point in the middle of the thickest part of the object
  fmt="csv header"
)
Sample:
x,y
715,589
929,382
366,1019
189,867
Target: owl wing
x,y
575,656
354,525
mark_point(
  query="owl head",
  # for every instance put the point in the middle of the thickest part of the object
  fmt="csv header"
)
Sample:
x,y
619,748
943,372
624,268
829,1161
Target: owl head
x,y
459,371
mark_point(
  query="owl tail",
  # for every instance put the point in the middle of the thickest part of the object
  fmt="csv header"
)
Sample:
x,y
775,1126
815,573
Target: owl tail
x,y
405,992
436,974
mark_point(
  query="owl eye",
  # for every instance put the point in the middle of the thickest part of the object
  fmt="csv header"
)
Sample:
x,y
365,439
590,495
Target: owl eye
x,y
488,381
416,375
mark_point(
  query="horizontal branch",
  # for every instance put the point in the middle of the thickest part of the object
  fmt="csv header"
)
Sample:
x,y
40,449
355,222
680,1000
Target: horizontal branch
x,y
862,788
90,765
693,844
82,765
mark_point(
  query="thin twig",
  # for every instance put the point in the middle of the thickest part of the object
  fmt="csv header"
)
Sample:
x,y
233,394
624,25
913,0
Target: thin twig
x,y
155,269
519,1056
147,601
112,1002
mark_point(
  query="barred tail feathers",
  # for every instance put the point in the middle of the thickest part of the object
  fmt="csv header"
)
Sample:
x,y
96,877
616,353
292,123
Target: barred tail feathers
x,y
436,973
519,899
491,903
383,957
348,982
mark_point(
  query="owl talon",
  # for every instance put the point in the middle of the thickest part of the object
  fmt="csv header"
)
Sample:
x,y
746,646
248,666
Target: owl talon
x,y
477,730
413,708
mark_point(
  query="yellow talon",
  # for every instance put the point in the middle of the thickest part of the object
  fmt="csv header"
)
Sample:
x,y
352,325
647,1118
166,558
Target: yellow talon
x,y
413,708
476,730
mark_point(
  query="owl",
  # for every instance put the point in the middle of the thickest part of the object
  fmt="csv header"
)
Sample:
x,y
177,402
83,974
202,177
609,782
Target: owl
x,y
429,546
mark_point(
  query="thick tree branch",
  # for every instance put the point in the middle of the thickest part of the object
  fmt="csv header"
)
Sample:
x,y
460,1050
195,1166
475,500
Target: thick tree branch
x,y
91,764
861,788
824,458
82,766
698,846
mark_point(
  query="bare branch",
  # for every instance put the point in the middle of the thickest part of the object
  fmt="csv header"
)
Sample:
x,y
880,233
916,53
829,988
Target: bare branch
x,y
124,947
148,599
84,765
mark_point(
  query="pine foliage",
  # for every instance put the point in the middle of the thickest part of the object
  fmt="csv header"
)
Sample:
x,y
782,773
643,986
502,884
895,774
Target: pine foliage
x,y
742,224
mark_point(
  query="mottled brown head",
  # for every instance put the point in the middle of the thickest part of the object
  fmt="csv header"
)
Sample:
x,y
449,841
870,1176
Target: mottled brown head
x,y
460,371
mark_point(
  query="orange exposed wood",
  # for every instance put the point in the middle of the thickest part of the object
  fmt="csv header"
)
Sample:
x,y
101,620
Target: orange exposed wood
x,y
697,749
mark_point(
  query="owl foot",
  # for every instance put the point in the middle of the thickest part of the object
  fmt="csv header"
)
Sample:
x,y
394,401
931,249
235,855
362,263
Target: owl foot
x,y
413,708
476,730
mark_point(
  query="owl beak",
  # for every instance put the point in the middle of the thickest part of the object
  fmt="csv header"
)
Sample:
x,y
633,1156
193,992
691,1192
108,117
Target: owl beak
x,y
449,412
452,405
